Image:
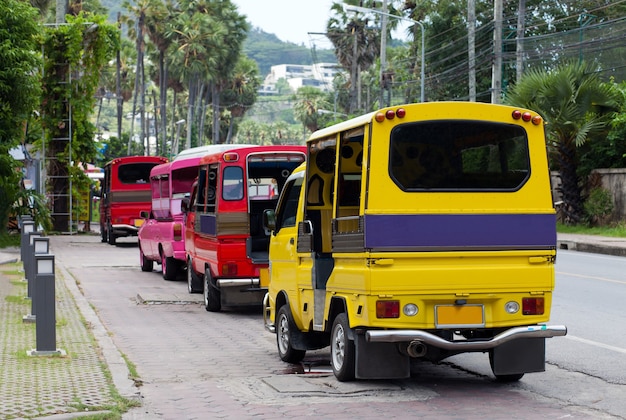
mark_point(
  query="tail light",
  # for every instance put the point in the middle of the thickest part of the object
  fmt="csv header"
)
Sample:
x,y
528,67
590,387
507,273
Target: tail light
x,y
229,269
390,114
532,306
388,309
178,231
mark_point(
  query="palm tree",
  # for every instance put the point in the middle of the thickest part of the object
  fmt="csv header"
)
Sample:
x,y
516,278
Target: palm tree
x,y
309,101
356,45
240,93
577,107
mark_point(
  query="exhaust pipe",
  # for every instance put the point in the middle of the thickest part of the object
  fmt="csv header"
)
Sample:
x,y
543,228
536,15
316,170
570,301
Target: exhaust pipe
x,y
416,348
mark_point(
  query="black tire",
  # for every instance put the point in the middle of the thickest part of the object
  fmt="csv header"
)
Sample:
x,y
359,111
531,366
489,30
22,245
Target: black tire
x,y
342,352
194,281
169,267
111,239
212,296
284,326
146,264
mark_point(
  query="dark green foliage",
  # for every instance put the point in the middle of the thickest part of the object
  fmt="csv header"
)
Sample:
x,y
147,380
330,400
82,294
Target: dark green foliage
x,y
19,90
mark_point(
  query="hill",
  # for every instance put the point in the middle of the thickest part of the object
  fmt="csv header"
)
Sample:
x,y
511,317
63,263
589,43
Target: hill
x,y
265,48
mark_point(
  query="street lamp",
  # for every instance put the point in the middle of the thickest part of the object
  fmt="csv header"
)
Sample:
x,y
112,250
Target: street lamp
x,y
378,12
175,145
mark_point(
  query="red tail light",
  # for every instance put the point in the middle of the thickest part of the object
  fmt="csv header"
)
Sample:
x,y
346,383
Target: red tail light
x,y
178,231
388,309
532,306
229,269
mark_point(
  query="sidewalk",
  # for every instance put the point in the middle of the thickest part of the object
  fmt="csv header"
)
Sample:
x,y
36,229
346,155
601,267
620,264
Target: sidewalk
x,y
93,375
86,381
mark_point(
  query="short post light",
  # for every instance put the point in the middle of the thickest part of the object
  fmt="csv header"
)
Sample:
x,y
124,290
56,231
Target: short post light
x,y
46,311
29,261
27,227
40,246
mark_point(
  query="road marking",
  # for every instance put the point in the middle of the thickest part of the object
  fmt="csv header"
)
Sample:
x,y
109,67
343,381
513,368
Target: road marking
x,y
595,343
582,276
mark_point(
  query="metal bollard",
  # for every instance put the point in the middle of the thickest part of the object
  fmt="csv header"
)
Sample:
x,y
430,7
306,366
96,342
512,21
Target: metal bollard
x,y
45,297
29,262
40,246
27,227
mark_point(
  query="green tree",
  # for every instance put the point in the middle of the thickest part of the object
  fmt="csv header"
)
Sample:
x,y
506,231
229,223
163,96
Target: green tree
x,y
19,91
357,45
74,55
577,107
309,101
241,91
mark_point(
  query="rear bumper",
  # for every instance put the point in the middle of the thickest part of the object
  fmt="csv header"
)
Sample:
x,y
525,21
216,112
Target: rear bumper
x,y
399,336
124,230
250,281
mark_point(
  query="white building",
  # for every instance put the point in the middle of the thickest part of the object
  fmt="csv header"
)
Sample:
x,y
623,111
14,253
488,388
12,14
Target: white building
x,y
319,75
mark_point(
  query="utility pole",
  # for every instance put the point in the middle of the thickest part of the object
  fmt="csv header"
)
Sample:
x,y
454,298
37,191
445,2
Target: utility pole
x,y
496,73
471,48
61,11
519,48
383,56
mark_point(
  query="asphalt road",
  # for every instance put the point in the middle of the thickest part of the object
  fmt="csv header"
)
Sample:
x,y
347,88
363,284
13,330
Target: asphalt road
x,y
196,364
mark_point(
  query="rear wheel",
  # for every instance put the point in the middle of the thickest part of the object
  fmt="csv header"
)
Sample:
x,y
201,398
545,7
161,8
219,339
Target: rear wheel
x,y
194,281
110,235
212,298
342,357
146,264
284,326
169,267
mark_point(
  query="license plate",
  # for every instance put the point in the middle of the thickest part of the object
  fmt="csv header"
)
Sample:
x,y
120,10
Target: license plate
x,y
264,277
138,222
459,316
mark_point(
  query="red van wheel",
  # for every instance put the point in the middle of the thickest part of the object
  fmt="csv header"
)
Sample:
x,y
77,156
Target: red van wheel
x,y
212,297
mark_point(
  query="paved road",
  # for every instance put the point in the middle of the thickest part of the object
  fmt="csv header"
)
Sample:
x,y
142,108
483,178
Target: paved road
x,y
194,364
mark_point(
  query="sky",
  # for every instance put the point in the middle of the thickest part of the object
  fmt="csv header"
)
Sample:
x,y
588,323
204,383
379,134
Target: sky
x,y
289,20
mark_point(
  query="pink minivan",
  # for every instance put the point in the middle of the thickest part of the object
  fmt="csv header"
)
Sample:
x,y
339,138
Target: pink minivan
x,y
162,236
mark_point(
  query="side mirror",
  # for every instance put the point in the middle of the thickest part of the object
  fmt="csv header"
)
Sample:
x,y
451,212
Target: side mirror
x,y
184,205
144,214
269,219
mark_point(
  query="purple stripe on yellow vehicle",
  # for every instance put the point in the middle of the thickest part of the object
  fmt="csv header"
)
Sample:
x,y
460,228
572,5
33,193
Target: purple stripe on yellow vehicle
x,y
461,231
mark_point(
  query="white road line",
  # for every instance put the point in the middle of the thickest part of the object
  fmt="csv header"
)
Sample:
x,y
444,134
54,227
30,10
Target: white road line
x,y
583,276
595,343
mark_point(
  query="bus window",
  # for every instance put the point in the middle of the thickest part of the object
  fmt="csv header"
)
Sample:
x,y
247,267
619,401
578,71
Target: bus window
x,y
459,155
134,173
232,187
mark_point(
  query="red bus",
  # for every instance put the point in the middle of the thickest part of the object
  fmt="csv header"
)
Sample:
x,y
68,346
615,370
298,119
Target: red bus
x,y
225,241
125,192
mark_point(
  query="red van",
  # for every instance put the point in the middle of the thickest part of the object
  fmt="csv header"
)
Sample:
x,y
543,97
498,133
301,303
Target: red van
x,y
125,192
225,241
161,237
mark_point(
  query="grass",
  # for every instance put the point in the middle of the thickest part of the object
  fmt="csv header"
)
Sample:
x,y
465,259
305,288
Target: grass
x,y
617,231
8,240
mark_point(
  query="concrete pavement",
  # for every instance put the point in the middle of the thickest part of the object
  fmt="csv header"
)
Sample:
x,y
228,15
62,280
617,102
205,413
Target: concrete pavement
x,y
93,375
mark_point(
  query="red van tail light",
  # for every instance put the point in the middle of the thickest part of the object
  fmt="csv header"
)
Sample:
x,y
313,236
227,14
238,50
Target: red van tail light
x,y
229,269
388,309
532,306
178,231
